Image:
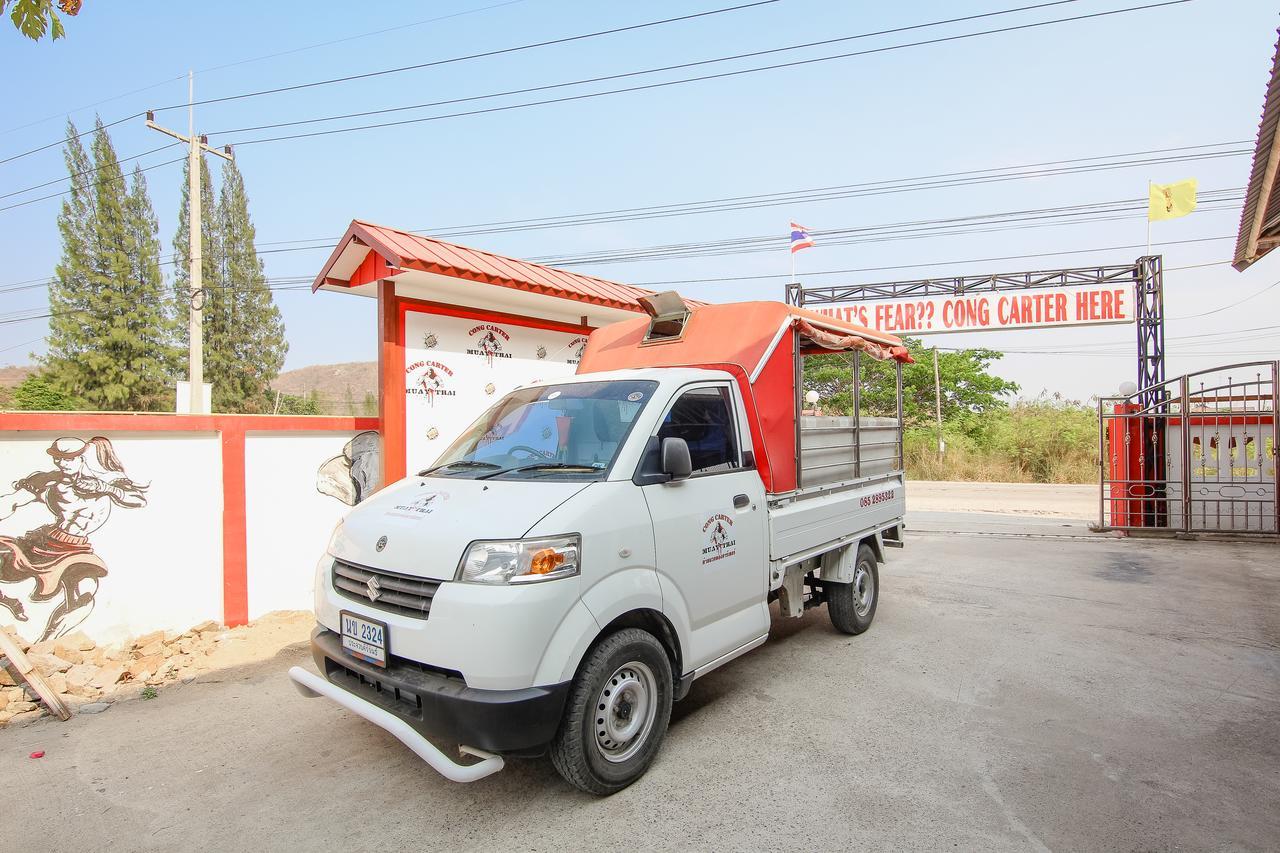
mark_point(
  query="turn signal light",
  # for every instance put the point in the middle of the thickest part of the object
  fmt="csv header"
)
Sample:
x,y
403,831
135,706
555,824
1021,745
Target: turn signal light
x,y
546,561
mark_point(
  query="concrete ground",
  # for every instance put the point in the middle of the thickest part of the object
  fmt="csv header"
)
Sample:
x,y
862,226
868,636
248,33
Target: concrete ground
x,y
1024,687
1054,500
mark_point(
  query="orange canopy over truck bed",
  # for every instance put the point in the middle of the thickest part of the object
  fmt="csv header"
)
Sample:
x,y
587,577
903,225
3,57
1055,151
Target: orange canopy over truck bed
x,y
759,343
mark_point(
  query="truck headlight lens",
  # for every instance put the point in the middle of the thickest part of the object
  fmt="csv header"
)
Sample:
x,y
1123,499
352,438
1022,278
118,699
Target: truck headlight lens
x,y
521,560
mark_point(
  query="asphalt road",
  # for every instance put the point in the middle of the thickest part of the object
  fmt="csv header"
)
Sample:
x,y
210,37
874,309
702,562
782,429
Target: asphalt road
x,y
1016,692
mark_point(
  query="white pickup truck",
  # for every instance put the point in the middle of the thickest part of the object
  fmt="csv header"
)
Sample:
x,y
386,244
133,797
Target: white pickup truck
x,y
591,546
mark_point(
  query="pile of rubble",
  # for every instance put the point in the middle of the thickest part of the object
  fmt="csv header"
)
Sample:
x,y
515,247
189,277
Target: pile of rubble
x,y
86,676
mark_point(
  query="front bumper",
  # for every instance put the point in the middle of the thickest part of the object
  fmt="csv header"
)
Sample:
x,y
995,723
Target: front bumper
x,y
520,721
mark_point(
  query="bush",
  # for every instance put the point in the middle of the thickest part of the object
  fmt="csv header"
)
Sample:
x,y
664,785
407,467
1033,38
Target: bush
x,y
1046,440
36,394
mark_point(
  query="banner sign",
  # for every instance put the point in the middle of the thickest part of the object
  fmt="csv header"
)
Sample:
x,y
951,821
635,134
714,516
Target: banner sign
x,y
1074,305
455,368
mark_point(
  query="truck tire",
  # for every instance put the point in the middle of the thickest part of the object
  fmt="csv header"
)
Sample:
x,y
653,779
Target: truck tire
x,y
852,606
616,714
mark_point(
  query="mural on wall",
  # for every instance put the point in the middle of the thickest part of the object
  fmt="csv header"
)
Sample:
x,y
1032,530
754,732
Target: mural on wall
x,y
51,572
455,367
352,476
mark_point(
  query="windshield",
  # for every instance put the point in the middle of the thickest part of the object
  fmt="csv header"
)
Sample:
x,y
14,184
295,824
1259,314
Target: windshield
x,y
571,431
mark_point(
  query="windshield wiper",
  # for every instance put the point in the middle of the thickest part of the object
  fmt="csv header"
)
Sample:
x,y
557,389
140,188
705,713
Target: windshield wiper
x,y
461,463
541,466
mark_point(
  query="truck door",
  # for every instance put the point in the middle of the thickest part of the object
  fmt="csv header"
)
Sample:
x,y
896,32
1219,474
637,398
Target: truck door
x,y
710,529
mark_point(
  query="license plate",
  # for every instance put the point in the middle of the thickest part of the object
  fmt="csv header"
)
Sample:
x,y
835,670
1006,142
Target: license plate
x,y
364,639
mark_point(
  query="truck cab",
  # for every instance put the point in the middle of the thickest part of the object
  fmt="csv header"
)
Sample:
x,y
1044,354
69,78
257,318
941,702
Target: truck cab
x,y
591,546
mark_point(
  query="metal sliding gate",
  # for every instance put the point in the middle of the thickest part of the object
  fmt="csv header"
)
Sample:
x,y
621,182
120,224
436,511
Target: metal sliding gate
x,y
1195,454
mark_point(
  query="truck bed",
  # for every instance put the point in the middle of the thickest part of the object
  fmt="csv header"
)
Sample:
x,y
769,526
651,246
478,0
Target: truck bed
x,y
851,485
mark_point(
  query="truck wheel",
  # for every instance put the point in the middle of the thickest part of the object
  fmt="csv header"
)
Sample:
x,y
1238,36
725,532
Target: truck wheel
x,y
616,714
852,606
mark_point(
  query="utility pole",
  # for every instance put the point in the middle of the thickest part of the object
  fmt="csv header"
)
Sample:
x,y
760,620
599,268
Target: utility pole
x,y
937,402
196,144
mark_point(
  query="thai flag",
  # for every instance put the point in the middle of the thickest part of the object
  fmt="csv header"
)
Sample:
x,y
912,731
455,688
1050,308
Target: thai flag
x,y
800,238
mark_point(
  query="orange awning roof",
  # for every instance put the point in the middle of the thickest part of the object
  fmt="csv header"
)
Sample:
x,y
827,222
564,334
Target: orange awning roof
x,y
406,251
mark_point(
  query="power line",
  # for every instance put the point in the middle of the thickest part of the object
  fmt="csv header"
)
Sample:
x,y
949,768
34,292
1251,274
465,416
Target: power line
x,y
774,277
826,193
642,72
1228,306
720,75
68,192
481,55
56,143
89,171
1092,212
344,39
259,59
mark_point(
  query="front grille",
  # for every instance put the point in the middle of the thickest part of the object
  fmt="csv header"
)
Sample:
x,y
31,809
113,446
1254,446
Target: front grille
x,y
396,593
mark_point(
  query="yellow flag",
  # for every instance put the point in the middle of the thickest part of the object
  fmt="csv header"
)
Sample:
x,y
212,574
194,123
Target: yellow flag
x,y
1169,201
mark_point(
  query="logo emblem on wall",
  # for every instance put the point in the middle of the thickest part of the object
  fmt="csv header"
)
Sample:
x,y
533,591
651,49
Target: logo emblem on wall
x,y
430,379
720,542
542,352
86,483
575,347
489,341
429,341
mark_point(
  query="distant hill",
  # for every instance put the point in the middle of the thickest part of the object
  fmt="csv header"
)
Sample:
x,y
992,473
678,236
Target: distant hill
x,y
337,387
10,378
340,389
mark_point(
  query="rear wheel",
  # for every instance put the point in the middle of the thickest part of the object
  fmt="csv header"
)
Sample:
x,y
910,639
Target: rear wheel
x,y
852,606
616,714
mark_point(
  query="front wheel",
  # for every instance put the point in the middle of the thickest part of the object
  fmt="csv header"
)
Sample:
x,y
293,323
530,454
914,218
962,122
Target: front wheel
x,y
852,606
616,714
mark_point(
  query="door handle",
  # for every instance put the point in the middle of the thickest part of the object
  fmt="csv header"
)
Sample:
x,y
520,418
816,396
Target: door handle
x,y
739,501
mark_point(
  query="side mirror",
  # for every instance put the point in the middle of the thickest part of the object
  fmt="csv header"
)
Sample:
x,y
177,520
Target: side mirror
x,y
676,463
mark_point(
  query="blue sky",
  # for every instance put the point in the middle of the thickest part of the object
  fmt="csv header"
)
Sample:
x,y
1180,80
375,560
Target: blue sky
x,y
1180,75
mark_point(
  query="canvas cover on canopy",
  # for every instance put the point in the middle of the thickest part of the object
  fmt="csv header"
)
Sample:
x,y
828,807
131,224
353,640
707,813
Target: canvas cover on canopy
x,y
755,341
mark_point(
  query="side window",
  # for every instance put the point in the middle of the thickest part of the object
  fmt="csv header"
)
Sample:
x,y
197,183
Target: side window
x,y
703,417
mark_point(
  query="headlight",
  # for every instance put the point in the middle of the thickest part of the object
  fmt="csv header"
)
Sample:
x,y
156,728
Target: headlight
x,y
521,560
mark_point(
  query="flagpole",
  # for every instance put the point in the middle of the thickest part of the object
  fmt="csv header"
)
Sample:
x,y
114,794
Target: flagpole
x,y
1148,218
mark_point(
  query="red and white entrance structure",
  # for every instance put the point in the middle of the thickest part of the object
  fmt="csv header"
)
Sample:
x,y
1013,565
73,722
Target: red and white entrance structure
x,y
459,326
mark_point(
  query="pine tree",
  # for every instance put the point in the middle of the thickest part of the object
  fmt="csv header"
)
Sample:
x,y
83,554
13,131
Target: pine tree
x,y
210,263
108,335
158,367
68,292
246,345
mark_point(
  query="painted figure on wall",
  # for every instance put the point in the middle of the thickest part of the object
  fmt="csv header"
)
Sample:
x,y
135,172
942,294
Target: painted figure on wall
x,y
86,483
354,475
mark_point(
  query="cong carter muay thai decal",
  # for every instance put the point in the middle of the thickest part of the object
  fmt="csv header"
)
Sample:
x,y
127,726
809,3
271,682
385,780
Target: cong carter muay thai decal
x,y
720,542
489,340
51,573
430,379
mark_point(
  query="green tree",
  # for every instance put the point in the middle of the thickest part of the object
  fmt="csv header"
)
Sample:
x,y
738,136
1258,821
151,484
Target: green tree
x,y
245,345
108,336
37,394
968,388
158,366
210,262
291,404
34,18
69,291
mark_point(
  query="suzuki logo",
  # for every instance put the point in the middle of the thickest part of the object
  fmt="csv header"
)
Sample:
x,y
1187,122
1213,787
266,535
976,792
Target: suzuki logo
x,y
374,588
